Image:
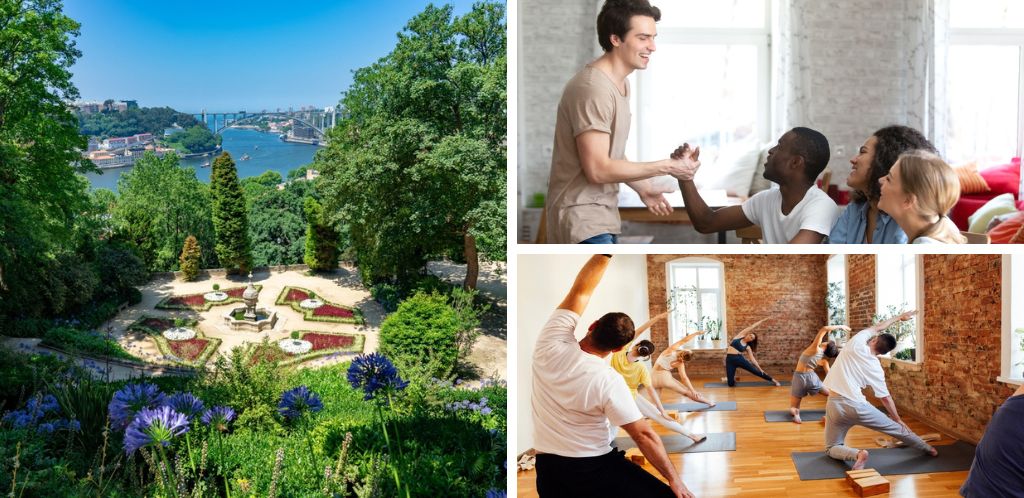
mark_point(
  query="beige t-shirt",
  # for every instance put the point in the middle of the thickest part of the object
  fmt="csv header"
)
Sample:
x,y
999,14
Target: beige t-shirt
x,y
576,208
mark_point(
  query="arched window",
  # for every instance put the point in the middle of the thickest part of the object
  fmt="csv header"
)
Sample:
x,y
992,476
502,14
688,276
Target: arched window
x,y
696,296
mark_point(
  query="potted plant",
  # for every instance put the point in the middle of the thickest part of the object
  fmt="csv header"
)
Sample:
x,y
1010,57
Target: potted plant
x,y
835,301
714,328
681,302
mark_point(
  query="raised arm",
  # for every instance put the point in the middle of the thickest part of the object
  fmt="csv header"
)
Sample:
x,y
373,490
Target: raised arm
x,y
820,335
587,279
881,326
650,323
748,329
682,341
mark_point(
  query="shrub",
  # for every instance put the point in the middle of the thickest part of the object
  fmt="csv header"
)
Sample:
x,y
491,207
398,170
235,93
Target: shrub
x,y
295,334
78,341
216,287
25,327
424,326
190,259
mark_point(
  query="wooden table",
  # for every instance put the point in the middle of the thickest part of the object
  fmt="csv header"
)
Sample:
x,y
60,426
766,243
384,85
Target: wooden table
x,y
631,208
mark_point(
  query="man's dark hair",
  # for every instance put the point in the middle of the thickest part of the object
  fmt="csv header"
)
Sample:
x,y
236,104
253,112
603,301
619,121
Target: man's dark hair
x,y
813,147
891,142
885,343
831,351
614,19
612,331
644,348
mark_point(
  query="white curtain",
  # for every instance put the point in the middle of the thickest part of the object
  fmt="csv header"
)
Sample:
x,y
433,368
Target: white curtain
x,y
791,71
927,47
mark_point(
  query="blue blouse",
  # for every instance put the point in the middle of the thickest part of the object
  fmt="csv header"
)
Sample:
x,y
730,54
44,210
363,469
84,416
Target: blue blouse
x,y
853,222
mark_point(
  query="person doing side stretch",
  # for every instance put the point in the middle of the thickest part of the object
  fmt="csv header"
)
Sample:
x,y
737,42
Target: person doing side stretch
x,y
744,342
805,380
675,358
627,362
855,368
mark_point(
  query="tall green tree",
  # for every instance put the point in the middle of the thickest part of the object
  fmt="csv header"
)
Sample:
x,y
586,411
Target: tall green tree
x,y
321,238
189,259
277,227
160,204
230,219
40,193
416,165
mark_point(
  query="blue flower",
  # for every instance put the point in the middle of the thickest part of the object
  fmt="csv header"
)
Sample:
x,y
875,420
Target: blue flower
x,y
485,410
186,404
153,426
296,402
131,399
496,493
45,428
218,417
373,372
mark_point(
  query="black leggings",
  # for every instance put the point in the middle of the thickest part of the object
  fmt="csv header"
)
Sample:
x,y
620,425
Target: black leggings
x,y
609,475
734,361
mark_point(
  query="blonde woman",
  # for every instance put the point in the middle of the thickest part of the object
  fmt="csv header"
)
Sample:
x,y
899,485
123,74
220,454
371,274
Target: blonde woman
x,y
675,358
805,380
626,361
918,192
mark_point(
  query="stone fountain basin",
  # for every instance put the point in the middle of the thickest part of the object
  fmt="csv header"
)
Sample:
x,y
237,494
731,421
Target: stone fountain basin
x,y
266,323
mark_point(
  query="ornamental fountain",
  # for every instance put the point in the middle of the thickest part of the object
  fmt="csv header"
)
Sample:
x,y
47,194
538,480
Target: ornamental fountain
x,y
250,318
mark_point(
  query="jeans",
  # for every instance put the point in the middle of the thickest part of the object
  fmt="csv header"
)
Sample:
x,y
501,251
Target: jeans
x,y
604,238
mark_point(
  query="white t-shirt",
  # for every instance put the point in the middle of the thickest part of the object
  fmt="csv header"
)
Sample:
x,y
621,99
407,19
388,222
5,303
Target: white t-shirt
x,y
575,394
816,212
856,368
927,240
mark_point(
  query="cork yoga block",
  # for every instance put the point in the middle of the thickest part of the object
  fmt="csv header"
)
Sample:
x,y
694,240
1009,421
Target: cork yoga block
x,y
853,475
634,455
871,486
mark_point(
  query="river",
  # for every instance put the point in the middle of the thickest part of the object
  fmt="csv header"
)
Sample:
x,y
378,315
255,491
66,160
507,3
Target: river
x,y
266,152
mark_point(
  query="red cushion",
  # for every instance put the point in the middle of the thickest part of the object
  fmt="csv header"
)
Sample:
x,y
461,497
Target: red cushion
x,y
1003,179
966,206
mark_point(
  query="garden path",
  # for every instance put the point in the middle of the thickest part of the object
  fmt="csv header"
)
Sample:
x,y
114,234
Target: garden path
x,y
489,353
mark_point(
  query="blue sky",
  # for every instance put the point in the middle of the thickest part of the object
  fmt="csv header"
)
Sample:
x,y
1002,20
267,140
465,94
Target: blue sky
x,y
233,55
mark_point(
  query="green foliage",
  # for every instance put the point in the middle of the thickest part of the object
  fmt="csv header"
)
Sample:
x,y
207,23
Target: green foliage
x,y
835,300
321,238
88,343
901,330
230,220
160,205
277,225
425,326
134,121
190,259
198,138
416,165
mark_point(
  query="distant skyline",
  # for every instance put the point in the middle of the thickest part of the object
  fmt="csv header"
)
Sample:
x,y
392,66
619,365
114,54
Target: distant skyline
x,y
232,55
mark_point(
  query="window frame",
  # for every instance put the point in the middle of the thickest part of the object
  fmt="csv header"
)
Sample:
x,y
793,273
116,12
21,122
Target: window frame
x,y
918,305
1007,340
846,287
696,262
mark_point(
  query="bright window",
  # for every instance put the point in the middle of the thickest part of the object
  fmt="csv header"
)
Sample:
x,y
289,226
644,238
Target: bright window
x,y
898,289
985,84
696,294
1013,319
836,301
707,83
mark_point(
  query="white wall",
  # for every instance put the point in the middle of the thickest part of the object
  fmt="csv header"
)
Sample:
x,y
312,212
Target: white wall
x,y
543,281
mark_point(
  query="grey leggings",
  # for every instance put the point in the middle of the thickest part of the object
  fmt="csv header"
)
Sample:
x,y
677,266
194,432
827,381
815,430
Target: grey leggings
x,y
841,414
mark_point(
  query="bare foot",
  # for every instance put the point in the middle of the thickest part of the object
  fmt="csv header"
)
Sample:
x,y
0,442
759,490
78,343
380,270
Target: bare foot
x,y
795,412
862,459
698,438
777,383
934,452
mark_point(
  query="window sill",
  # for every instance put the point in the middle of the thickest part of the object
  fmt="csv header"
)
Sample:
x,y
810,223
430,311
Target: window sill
x,y
1012,382
900,364
712,350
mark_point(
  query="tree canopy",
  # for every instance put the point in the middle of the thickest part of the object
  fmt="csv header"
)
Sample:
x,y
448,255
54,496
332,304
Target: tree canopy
x,y
133,121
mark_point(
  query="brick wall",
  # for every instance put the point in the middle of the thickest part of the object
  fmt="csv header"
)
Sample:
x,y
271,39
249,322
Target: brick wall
x,y
791,287
955,389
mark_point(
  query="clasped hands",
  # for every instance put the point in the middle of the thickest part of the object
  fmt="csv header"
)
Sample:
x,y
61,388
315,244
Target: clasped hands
x,y
684,162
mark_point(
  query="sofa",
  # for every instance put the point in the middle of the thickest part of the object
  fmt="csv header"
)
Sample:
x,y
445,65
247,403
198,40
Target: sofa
x,y
1001,179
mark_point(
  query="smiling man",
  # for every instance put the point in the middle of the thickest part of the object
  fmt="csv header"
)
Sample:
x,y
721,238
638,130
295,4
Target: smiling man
x,y
588,159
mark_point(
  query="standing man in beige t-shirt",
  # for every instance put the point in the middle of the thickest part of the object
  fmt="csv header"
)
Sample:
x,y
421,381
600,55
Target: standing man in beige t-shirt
x,y
588,160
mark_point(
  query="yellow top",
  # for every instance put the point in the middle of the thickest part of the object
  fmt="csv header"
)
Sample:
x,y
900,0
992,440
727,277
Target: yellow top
x,y
634,372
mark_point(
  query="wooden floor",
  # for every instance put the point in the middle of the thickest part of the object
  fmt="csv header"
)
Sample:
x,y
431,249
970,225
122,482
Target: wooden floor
x,y
761,465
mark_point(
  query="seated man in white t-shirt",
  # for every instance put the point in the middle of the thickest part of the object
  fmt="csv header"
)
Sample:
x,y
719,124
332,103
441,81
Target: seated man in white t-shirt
x,y
795,213
578,398
855,368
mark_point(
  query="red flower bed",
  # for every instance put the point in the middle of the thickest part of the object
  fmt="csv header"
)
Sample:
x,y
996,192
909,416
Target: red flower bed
x,y
331,310
158,324
327,341
188,350
236,292
296,295
191,300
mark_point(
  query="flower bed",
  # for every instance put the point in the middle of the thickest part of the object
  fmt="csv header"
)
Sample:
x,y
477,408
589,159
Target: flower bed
x,y
323,343
198,301
189,349
327,312
329,341
194,352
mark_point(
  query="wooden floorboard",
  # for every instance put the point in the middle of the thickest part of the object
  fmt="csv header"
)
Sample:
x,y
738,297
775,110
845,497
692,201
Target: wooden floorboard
x,y
761,465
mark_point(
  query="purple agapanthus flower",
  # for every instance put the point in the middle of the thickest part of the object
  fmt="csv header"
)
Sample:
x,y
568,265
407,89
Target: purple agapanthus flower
x,y
218,417
186,404
373,372
130,400
496,493
296,402
153,426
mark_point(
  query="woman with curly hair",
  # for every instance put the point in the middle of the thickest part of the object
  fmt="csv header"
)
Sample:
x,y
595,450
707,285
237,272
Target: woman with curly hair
x,y
862,221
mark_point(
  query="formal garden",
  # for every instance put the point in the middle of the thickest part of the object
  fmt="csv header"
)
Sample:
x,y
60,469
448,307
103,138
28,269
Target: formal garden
x,y
260,336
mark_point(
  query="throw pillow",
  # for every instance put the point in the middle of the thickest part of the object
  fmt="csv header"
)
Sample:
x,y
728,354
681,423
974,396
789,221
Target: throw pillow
x,y
1005,231
731,171
1019,237
1002,204
1004,178
970,181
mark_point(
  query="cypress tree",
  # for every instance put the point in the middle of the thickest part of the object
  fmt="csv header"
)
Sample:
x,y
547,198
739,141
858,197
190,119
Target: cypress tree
x,y
189,259
230,221
321,238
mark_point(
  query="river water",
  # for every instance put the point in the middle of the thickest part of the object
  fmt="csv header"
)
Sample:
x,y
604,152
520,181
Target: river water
x,y
266,152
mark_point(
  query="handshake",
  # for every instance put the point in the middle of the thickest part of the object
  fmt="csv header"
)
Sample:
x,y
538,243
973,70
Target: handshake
x,y
684,162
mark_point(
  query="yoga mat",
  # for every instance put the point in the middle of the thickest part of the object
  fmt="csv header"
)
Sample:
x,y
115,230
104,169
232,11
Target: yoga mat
x,y
763,383
677,443
722,406
785,416
887,461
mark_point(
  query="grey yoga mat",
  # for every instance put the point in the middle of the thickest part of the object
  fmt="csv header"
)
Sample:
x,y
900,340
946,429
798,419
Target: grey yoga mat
x,y
785,416
887,461
677,443
721,406
763,383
